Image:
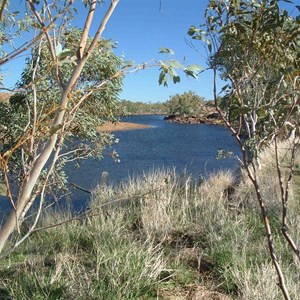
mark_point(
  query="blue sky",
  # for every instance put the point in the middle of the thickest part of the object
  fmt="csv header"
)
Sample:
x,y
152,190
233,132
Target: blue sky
x,y
141,27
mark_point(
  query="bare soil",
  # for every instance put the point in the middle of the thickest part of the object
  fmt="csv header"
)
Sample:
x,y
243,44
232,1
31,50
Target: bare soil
x,y
109,126
193,292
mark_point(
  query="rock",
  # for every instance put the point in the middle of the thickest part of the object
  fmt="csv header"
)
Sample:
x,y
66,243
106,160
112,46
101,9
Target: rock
x,y
214,115
206,118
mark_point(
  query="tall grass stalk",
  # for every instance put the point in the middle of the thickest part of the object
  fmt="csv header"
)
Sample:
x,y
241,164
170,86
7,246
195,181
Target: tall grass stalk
x,y
160,232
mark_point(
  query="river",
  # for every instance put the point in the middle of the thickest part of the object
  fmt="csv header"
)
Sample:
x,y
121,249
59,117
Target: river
x,y
188,148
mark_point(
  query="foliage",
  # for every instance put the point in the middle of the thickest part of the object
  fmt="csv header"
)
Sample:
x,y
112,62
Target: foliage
x,y
128,107
254,46
68,88
185,104
266,42
162,232
168,69
101,106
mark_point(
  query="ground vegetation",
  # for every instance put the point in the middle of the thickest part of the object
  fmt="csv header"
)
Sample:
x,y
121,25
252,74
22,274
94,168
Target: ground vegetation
x,y
161,236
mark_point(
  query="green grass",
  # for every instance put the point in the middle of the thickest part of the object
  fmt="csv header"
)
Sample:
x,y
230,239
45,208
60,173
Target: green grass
x,y
158,234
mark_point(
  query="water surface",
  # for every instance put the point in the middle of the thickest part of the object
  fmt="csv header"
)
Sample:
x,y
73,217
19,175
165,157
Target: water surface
x,y
189,148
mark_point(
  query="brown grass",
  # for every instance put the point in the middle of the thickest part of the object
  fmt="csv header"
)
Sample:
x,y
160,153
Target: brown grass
x,y
193,292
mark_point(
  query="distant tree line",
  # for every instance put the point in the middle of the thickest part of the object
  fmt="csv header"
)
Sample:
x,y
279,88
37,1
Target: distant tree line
x,y
186,103
128,107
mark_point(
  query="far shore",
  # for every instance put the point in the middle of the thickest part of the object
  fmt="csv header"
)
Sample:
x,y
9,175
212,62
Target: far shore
x,y
109,126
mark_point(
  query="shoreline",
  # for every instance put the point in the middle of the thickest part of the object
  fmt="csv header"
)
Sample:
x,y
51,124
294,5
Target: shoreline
x,y
210,119
120,126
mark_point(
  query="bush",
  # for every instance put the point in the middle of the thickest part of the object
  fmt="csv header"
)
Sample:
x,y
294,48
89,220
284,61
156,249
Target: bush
x,y
185,104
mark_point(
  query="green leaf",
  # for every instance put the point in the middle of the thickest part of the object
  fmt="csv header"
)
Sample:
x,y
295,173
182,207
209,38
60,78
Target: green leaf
x,y
172,73
176,79
68,60
198,37
194,68
163,78
63,54
176,64
58,49
192,30
166,50
54,129
209,46
190,73
128,63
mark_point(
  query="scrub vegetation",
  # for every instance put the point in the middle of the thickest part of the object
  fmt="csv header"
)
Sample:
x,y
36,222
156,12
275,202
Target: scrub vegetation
x,y
160,236
164,235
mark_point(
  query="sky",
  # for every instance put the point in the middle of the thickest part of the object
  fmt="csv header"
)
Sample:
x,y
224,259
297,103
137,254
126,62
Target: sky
x,y
141,28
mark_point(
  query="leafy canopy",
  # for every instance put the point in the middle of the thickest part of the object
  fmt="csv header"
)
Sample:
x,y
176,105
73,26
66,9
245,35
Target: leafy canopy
x,y
20,116
255,47
185,104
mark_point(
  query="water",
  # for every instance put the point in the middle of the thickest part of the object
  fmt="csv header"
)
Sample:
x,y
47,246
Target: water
x,y
189,148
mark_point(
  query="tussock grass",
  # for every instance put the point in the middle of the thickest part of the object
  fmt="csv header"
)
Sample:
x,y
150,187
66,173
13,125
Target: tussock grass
x,y
97,258
267,178
161,234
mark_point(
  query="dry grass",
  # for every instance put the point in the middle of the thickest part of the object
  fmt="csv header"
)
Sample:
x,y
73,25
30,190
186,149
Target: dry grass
x,y
162,236
193,292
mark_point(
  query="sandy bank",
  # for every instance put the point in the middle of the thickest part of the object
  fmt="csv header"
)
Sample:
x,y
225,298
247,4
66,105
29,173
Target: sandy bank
x,y
109,126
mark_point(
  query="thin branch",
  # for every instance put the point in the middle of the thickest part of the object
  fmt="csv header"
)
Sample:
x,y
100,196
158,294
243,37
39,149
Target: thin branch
x,y
2,8
89,214
253,178
102,26
34,121
80,188
27,45
50,41
284,192
86,29
7,186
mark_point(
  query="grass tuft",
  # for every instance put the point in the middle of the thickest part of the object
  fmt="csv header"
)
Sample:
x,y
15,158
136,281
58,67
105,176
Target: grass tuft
x,y
161,236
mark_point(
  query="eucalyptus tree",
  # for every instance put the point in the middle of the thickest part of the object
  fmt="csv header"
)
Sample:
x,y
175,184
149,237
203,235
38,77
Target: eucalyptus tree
x,y
27,105
69,86
63,88
254,46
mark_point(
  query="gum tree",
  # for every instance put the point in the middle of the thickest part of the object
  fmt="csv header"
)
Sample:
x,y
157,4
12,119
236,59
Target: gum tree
x,y
53,95
254,46
69,86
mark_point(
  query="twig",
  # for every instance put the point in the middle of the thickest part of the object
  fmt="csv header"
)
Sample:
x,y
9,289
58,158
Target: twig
x,y
80,188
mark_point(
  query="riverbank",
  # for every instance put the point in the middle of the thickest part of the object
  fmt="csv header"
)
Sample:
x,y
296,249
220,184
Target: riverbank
x,y
212,119
208,115
160,236
110,126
